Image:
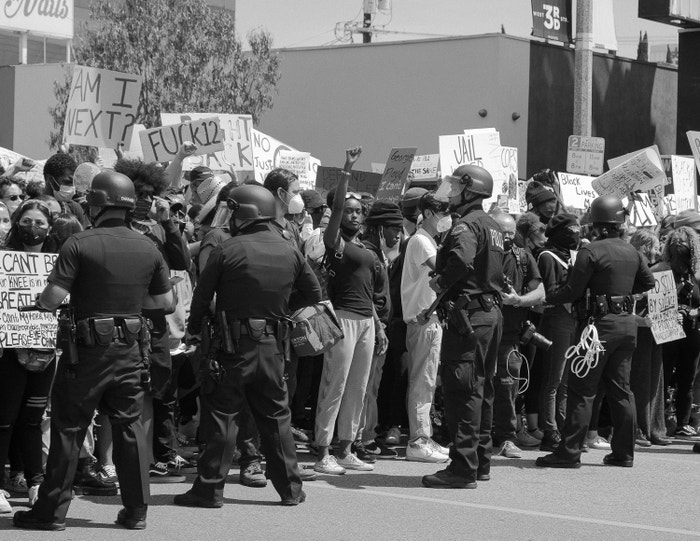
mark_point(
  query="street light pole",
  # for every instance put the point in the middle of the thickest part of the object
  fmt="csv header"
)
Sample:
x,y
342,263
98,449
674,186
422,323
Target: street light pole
x,y
583,68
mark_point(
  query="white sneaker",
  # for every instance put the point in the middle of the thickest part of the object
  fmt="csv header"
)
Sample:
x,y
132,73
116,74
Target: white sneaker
x,y
422,451
33,495
329,465
393,436
5,506
351,462
510,450
437,447
599,442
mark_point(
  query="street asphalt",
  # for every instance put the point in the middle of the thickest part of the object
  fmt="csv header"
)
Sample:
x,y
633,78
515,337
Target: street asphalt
x,y
657,499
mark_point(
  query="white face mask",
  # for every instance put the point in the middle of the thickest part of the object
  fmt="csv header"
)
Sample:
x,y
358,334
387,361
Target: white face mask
x,y
444,224
65,193
296,204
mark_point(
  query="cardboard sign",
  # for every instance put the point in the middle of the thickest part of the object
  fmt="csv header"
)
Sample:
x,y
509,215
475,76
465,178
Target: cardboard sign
x,y
102,107
237,154
328,178
576,190
161,144
663,309
298,163
684,188
641,212
425,167
694,139
23,276
509,198
398,165
654,156
638,173
585,155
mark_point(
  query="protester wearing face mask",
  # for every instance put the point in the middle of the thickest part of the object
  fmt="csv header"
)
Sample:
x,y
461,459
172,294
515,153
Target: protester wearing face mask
x,y
151,217
284,185
58,183
410,208
24,394
5,223
423,336
558,325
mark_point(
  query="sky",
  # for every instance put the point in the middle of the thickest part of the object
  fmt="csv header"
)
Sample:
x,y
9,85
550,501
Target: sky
x,y
305,23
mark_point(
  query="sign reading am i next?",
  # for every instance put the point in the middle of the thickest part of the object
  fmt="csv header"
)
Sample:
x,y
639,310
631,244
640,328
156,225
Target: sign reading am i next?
x,y
22,277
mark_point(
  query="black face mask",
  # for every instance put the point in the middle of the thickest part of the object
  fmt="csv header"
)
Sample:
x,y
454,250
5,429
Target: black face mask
x,y
568,240
507,244
30,235
143,207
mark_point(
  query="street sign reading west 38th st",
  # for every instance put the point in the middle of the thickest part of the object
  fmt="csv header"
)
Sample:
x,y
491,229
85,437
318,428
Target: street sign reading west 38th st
x,y
585,155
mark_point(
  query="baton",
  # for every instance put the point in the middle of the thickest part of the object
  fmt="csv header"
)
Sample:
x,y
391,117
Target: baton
x,y
430,309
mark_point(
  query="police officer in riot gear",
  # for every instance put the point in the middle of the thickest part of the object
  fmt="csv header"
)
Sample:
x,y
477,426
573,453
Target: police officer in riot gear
x,y
606,274
469,269
111,273
252,274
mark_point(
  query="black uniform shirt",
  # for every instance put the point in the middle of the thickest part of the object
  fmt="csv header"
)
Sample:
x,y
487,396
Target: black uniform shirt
x,y
471,257
253,275
607,267
109,270
521,269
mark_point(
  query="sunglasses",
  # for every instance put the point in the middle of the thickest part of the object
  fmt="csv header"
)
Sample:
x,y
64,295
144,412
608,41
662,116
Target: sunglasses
x,y
353,195
16,197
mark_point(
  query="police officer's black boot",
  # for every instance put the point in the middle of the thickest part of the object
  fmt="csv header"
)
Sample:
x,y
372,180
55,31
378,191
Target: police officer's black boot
x,y
89,483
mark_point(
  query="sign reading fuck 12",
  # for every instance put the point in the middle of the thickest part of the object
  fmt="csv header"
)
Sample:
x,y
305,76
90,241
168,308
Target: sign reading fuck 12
x,y
50,18
102,107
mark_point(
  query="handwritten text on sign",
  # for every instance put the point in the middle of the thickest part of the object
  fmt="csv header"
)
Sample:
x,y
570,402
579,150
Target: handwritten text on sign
x,y
663,309
102,107
22,276
576,190
683,171
328,178
398,165
162,144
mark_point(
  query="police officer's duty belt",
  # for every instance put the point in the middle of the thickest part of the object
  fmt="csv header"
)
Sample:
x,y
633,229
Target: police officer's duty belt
x,y
602,305
102,331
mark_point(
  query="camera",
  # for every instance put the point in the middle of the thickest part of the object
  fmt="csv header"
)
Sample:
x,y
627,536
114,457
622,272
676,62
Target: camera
x,y
530,334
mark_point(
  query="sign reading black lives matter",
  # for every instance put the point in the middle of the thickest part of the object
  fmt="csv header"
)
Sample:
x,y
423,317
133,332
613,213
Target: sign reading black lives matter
x,y
551,19
23,276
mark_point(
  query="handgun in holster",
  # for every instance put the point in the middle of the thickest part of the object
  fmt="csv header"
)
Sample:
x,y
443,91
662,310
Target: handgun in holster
x,y
284,335
457,316
228,341
144,339
67,338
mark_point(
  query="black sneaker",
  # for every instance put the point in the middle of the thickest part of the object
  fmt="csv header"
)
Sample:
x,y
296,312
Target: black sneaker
x,y
553,461
362,453
88,482
179,464
161,473
379,450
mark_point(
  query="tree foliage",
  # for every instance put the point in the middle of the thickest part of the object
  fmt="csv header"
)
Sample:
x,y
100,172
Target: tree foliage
x,y
187,53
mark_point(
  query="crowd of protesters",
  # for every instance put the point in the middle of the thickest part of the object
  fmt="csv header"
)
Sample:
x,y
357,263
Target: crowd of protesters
x,y
376,394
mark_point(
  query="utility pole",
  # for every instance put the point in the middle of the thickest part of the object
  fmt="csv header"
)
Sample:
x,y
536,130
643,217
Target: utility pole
x,y
367,24
583,68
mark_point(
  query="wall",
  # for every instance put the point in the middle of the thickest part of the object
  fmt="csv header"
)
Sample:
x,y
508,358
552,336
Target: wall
x,y
634,105
400,94
7,106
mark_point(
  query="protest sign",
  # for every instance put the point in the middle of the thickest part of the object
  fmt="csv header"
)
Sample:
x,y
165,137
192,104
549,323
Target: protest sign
x,y
162,144
576,190
425,167
378,167
663,309
509,199
684,188
654,156
398,165
23,276
640,211
8,157
298,163
328,178
638,173
669,205
694,139
266,154
585,155
237,154
131,150
102,107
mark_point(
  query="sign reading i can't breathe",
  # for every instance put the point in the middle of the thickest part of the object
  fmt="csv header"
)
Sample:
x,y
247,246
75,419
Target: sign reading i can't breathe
x,y
23,276
102,107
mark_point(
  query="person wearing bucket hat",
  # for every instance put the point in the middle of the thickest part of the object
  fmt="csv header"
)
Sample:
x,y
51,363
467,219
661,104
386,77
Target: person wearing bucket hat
x,y
542,200
382,235
469,274
607,272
